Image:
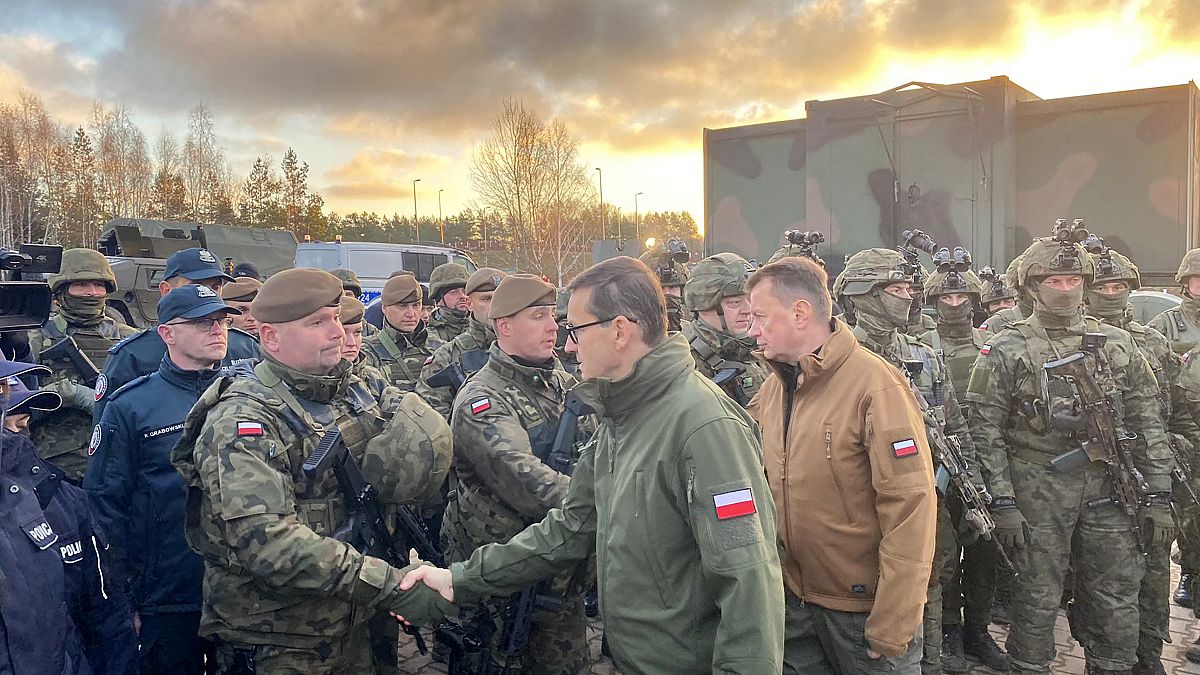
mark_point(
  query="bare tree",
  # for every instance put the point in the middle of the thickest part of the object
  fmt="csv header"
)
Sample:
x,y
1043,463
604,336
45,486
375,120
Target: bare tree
x,y
123,166
202,159
528,172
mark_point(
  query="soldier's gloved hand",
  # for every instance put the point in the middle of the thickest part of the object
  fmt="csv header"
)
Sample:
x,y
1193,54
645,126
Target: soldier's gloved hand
x,y
419,603
1157,519
73,395
1012,530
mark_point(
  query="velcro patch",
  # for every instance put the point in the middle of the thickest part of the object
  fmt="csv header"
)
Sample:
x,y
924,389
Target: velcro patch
x,y
481,405
94,445
249,429
101,386
904,448
40,533
429,360
985,349
983,326
734,503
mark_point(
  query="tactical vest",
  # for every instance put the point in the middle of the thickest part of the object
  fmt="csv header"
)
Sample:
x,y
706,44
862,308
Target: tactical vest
x,y
1180,332
401,367
753,375
959,355
93,341
319,503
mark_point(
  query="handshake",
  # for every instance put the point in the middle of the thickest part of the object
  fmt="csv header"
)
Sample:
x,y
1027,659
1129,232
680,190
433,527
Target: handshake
x,y
429,605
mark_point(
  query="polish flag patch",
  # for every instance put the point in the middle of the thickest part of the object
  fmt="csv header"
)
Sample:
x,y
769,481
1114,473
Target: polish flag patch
x,y
985,349
249,429
735,503
429,360
904,448
481,405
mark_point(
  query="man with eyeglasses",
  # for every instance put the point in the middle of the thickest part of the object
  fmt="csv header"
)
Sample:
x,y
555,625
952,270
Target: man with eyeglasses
x,y
136,494
141,353
671,496
504,422
716,295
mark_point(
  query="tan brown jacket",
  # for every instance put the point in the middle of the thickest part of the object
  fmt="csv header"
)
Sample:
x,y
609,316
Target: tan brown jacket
x,y
853,483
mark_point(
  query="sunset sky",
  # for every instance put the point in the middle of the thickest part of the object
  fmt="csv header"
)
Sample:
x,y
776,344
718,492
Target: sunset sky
x,y
375,94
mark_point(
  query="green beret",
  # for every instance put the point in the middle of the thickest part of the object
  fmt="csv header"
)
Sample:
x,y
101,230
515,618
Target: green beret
x,y
294,294
519,291
352,310
484,279
401,288
243,290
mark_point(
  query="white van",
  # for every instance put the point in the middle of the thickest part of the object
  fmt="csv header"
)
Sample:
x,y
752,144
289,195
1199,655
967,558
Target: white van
x,y
375,262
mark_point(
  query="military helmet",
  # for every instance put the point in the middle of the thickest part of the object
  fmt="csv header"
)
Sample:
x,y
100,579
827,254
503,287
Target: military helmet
x,y
869,268
994,287
941,283
1112,266
1046,257
83,264
1190,267
718,276
1010,273
447,277
674,275
349,280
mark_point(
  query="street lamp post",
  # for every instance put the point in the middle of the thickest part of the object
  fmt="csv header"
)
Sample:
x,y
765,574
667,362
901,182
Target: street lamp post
x,y
441,221
603,233
416,224
637,224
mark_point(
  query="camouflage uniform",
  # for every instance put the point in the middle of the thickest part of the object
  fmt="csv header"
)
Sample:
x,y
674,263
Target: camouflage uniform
x,y
474,343
1010,315
969,587
62,436
1043,512
569,360
504,425
670,274
399,355
446,324
880,328
715,349
276,583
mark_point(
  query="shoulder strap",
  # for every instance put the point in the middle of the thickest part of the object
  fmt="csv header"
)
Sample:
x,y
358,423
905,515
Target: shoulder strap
x,y
703,349
294,414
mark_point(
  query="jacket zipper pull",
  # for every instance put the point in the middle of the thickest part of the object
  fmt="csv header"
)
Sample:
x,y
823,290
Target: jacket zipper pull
x,y
691,485
828,444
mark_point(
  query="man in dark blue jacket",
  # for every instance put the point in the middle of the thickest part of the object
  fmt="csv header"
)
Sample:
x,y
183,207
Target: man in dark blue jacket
x,y
141,353
138,497
58,613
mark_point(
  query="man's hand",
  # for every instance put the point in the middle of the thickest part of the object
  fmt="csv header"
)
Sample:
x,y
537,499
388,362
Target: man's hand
x,y
872,654
436,578
1158,519
1012,530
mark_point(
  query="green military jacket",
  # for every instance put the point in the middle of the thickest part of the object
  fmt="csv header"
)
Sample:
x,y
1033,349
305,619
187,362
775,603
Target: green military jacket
x,y
62,435
1010,413
934,382
400,356
715,351
958,352
273,574
477,339
504,423
1001,320
1180,325
672,496
447,324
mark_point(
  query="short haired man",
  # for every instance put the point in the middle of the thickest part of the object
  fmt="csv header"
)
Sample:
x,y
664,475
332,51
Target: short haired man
x,y
504,424
469,349
138,497
239,295
141,353
281,591
848,464
670,496
447,289
404,344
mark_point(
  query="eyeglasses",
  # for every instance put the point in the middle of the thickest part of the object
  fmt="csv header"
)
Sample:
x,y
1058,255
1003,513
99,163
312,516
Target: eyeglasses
x,y
205,323
571,330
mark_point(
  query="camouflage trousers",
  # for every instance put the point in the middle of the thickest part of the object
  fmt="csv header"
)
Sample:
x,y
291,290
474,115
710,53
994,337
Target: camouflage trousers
x,y
945,562
819,641
1189,544
1098,546
967,596
63,440
350,654
1153,608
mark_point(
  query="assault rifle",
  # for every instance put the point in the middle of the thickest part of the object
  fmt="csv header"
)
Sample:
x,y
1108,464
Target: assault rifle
x,y
455,375
365,527
952,471
729,379
562,455
1094,423
67,350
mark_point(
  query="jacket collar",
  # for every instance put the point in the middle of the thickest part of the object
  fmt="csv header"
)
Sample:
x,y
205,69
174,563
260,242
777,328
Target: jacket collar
x,y
652,376
186,379
508,368
414,339
482,332
819,364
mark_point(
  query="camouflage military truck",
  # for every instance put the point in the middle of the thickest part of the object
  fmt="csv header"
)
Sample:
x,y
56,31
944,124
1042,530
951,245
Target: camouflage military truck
x,y
138,249
985,165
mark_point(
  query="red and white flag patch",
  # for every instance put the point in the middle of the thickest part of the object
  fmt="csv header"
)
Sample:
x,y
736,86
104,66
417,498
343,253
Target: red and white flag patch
x,y
249,429
904,448
985,349
481,405
429,360
734,503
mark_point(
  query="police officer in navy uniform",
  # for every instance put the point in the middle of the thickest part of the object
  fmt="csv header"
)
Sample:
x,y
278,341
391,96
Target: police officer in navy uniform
x,y
142,353
138,497
58,611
